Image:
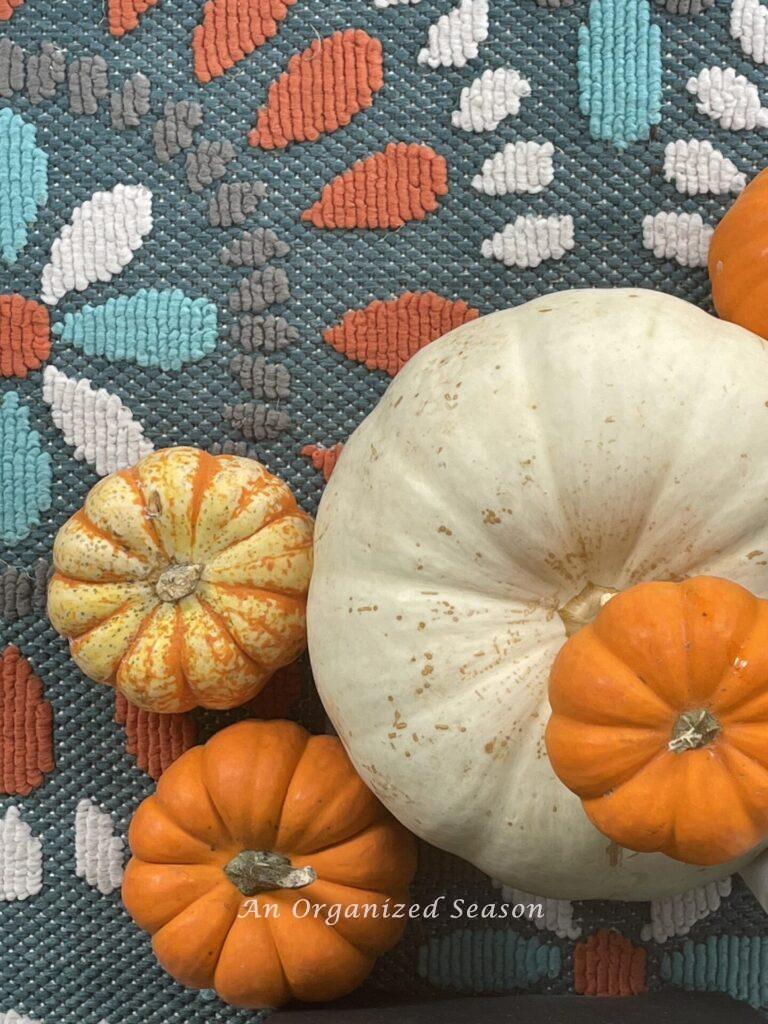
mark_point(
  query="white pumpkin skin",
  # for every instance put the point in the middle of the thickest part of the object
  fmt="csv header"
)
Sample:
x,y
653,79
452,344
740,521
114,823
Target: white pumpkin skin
x,y
610,436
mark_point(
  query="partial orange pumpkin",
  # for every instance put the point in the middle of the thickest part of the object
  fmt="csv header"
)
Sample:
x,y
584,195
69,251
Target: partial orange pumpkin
x,y
660,719
738,259
183,580
238,858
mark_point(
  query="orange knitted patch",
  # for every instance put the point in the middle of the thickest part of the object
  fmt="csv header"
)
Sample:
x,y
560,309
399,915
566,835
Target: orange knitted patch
x,y
25,335
385,335
154,740
323,459
7,7
385,190
123,15
26,726
323,88
231,29
281,695
607,964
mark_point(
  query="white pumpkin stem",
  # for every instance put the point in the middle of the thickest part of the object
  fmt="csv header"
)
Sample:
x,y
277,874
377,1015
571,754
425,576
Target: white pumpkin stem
x,y
584,607
254,871
693,729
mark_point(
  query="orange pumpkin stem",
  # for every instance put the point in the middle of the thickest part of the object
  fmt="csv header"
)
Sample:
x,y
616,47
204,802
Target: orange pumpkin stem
x,y
693,729
254,871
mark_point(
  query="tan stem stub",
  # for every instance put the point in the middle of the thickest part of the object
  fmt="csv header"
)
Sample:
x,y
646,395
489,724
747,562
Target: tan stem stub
x,y
584,607
178,581
254,871
693,729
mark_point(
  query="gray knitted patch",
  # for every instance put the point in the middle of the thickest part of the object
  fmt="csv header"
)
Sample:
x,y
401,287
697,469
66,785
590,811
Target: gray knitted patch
x,y
23,593
264,380
263,288
239,448
130,102
208,162
268,334
87,82
257,422
11,68
254,249
691,7
233,202
175,130
46,70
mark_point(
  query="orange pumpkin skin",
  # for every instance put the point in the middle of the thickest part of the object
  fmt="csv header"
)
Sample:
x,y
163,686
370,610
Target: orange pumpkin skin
x,y
660,719
738,259
266,786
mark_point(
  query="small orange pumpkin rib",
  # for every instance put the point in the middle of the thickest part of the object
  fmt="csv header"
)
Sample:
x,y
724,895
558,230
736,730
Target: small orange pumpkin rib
x,y
370,924
321,90
249,972
248,769
185,800
155,837
381,858
189,946
738,260
153,894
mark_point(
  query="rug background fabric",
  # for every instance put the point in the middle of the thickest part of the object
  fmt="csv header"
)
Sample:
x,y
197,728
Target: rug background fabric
x,y
70,953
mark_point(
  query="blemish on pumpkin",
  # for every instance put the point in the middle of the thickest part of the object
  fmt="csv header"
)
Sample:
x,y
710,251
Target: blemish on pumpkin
x,y
427,670
422,625
490,746
445,530
615,854
754,554
442,726
490,518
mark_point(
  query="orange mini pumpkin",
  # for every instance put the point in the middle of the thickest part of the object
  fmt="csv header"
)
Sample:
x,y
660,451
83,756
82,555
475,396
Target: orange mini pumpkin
x,y
660,719
738,259
243,852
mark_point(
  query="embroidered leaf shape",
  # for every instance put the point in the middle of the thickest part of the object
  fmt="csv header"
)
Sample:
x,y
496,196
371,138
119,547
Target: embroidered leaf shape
x,y
21,872
99,853
24,182
385,335
322,89
123,15
152,328
323,459
455,37
7,7
231,29
99,241
389,188
25,472
95,422
26,724
25,335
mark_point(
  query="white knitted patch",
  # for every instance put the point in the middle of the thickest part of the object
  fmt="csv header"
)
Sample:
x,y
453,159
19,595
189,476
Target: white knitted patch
x,y
529,240
12,1017
519,167
749,24
683,237
696,167
98,851
485,103
678,914
99,240
730,99
21,860
101,429
553,916
453,39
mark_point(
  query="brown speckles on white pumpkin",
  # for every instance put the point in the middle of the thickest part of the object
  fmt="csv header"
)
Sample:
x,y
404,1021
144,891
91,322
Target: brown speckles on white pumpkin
x,y
490,518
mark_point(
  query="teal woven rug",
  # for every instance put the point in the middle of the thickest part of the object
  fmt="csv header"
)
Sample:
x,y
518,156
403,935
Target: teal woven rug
x,y
199,204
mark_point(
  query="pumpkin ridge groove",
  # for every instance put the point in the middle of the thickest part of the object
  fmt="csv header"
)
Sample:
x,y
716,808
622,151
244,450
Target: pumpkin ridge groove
x,y
224,885
235,588
208,468
167,809
131,477
102,622
81,516
178,641
145,624
262,558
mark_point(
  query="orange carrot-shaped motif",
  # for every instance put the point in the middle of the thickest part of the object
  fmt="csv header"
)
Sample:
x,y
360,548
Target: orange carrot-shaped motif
x,y
123,15
154,740
385,335
607,964
231,29
26,723
25,335
385,190
323,88
7,7
324,459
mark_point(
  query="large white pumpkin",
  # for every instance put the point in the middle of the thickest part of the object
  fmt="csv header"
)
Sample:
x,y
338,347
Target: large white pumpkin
x,y
603,437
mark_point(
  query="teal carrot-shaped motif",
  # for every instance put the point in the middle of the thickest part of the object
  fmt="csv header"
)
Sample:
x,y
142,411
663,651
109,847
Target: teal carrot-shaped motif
x,y
619,68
